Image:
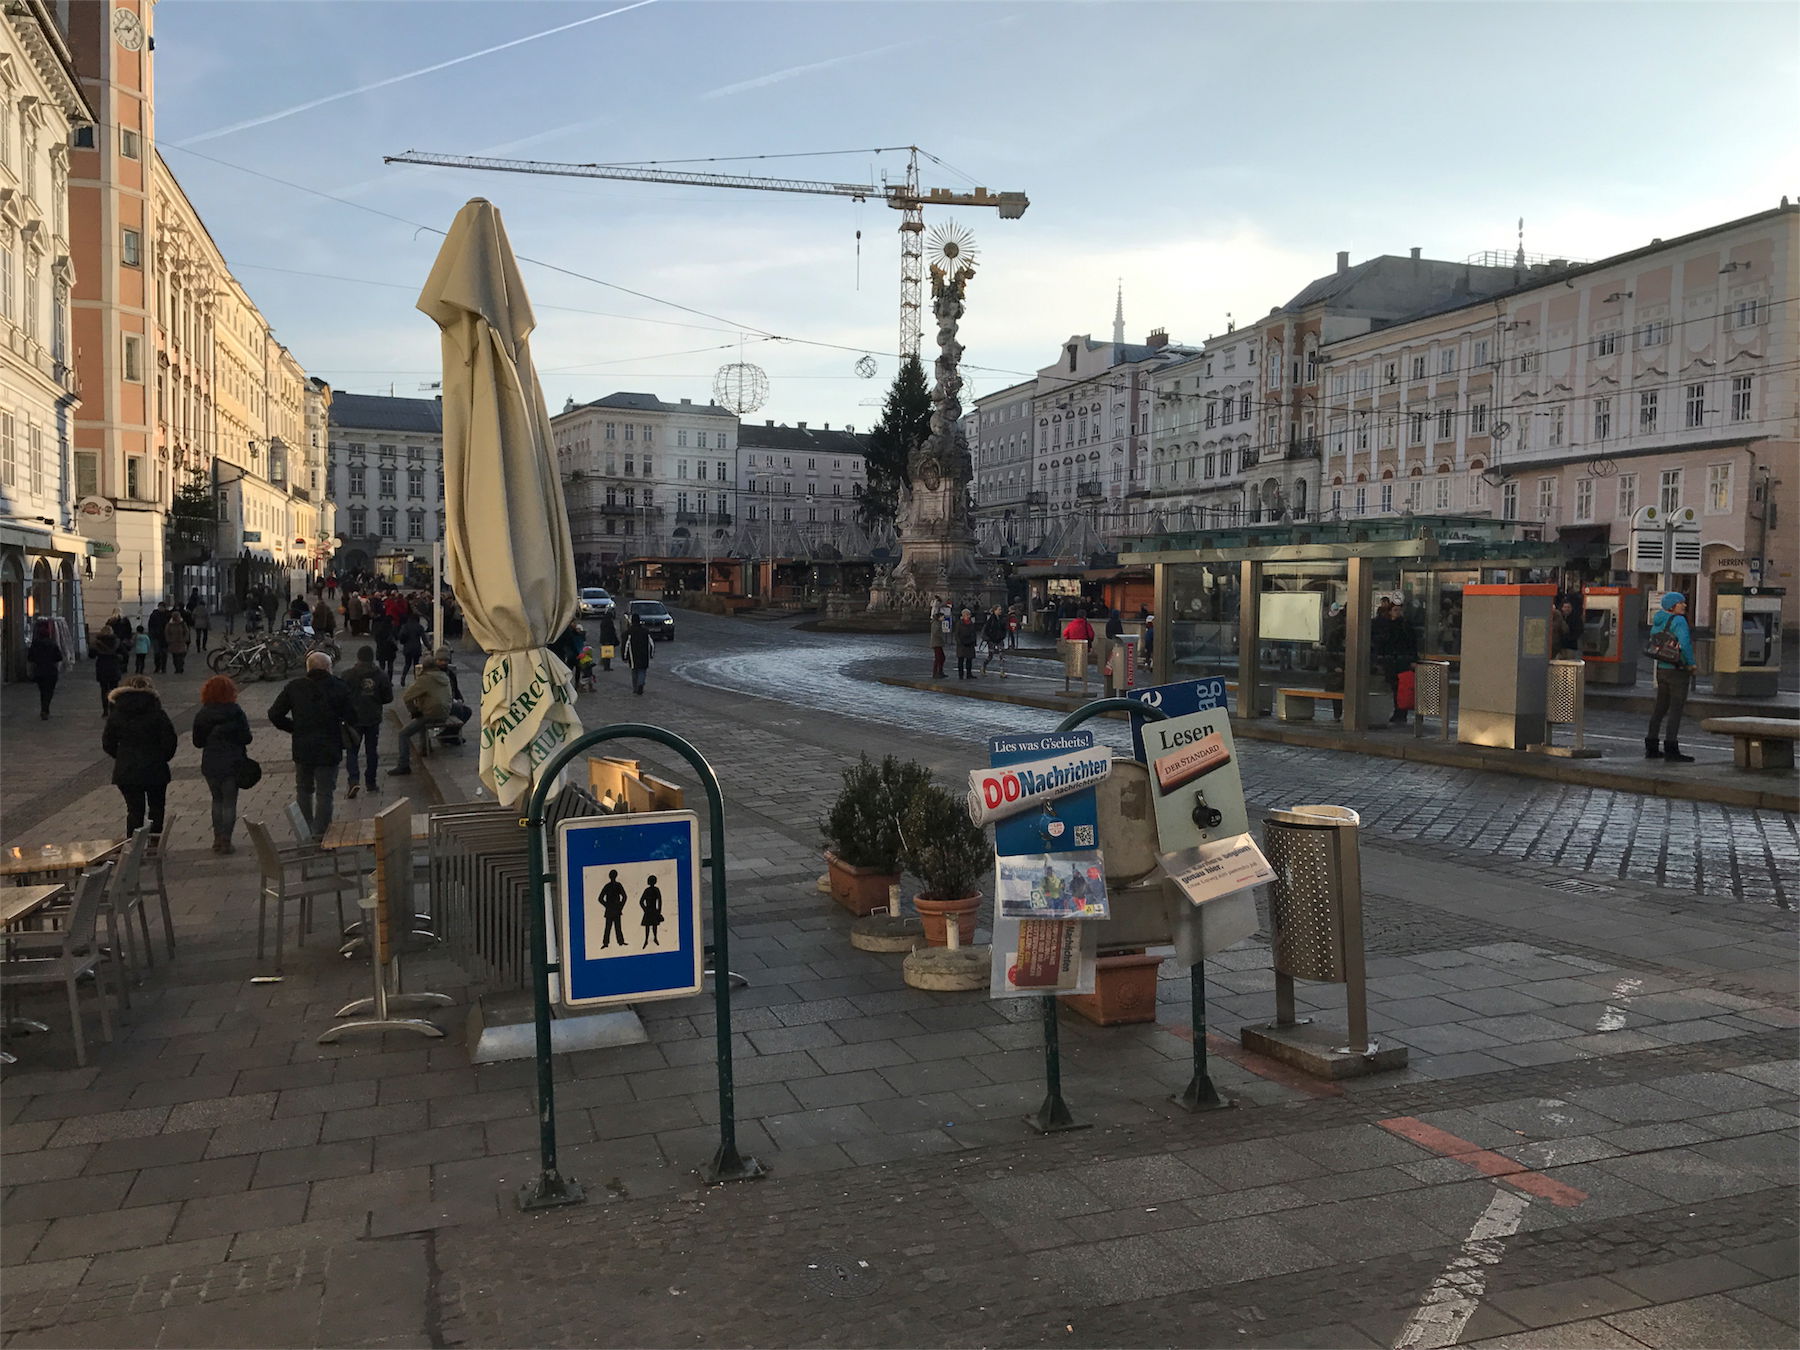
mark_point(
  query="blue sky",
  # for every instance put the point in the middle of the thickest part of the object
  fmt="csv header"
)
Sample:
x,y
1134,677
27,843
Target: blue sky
x,y
1212,156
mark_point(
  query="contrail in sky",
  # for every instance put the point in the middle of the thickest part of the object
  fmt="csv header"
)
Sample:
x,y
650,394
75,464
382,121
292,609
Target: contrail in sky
x,y
776,77
409,75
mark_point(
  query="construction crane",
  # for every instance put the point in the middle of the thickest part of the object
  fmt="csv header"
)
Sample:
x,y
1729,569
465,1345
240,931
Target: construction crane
x,y
907,197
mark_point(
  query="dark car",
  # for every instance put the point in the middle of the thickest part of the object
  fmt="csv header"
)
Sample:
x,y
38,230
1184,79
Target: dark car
x,y
655,616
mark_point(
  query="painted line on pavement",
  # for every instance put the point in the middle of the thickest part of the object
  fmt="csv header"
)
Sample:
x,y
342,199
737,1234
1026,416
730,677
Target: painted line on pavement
x,y
1260,1065
1456,1293
1483,1160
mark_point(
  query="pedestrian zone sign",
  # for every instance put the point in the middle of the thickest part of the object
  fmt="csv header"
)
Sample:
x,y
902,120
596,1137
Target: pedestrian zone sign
x,y
628,908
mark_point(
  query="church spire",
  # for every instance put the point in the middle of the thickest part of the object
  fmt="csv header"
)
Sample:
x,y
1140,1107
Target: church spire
x,y
1119,314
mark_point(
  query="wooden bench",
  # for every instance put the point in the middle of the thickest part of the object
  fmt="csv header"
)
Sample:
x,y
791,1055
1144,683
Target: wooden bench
x,y
1296,705
1758,742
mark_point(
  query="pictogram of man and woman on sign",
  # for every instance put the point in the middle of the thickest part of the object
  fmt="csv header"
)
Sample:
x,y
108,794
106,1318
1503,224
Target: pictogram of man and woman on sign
x,y
613,900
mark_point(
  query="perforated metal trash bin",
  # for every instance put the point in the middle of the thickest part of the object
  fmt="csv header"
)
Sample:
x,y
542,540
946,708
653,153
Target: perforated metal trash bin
x,y
1565,705
1315,907
1431,695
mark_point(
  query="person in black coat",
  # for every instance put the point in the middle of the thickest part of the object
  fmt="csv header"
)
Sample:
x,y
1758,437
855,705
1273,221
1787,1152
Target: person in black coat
x,y
314,710
411,637
222,734
1395,648
381,628
609,637
109,666
638,647
370,693
44,658
966,633
141,740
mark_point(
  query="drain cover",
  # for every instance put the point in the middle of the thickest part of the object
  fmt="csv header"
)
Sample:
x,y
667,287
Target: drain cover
x,y
1586,887
842,1277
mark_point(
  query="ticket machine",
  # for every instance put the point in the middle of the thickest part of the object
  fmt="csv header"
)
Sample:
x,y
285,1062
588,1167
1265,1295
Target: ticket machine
x,y
1609,633
1746,640
1505,665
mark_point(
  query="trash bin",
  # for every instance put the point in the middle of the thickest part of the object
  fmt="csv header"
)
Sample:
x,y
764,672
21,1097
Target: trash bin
x,y
1565,705
1315,908
1121,665
1431,695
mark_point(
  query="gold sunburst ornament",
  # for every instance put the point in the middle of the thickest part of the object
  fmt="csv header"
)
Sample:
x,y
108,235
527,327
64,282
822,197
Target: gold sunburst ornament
x,y
950,250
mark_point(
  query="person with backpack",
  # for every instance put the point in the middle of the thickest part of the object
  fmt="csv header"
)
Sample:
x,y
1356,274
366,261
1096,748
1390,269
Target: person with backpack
x,y
370,692
1672,652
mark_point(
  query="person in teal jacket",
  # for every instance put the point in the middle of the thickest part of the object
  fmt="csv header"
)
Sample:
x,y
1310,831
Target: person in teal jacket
x,y
1664,739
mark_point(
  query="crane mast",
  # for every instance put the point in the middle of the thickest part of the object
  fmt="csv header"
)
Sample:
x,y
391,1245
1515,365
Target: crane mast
x,y
906,197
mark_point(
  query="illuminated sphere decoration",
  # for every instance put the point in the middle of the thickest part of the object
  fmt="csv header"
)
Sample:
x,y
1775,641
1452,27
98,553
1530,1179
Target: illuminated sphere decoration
x,y
740,387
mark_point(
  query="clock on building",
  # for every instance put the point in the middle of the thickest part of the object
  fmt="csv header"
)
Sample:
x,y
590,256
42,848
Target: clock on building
x,y
128,29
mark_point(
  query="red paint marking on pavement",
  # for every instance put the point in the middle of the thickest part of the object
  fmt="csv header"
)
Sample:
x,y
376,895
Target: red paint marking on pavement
x,y
1485,1161
1260,1065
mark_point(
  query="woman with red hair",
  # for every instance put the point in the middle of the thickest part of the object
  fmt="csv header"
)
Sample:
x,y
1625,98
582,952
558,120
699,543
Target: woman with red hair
x,y
222,735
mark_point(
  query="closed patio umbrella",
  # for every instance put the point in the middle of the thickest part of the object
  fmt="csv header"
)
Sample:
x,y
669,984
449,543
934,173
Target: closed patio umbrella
x,y
510,561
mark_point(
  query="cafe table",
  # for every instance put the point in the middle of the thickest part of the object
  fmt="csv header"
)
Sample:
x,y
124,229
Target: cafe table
x,y
27,864
18,903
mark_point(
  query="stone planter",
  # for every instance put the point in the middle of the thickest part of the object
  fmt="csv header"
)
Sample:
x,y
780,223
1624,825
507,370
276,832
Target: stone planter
x,y
935,915
861,890
1124,990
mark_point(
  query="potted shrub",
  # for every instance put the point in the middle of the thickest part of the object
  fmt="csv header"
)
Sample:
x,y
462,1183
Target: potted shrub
x,y
950,855
862,830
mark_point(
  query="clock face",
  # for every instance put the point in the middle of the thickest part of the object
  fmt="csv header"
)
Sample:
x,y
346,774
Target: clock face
x,y
128,29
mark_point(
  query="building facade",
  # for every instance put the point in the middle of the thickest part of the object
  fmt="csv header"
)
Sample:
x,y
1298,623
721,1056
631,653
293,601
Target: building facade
x,y
1001,442
385,479
798,488
43,557
1663,376
644,478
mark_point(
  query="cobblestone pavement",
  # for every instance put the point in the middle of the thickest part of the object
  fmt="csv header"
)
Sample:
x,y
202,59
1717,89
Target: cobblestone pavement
x,y
1612,1066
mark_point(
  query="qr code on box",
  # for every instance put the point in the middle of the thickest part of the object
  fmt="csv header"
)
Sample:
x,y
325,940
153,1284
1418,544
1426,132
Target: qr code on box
x,y
1084,836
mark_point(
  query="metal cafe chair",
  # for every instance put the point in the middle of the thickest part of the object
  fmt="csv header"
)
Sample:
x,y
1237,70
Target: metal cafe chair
x,y
284,876
158,883
63,956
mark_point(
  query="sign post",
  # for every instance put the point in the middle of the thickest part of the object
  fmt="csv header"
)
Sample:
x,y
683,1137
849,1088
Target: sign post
x,y
1666,542
551,1187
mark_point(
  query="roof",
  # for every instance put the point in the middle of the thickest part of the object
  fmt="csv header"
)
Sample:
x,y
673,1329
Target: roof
x,y
817,440
377,412
1392,287
649,403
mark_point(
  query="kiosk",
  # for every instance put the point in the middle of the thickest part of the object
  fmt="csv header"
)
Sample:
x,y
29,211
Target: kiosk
x,y
1505,665
1747,640
1610,618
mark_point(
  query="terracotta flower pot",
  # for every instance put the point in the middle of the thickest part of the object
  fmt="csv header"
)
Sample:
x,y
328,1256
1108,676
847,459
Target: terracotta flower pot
x,y
935,915
1124,990
861,890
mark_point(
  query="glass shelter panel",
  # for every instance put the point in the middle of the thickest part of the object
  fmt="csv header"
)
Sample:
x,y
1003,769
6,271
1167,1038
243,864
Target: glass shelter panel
x,y
1203,620
1300,626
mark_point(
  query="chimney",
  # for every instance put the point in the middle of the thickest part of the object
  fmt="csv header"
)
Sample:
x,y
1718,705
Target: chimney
x,y
1159,337
827,426
688,401
1415,255
801,425
769,423
1343,260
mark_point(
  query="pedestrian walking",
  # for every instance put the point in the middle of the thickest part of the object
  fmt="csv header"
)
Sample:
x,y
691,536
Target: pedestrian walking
x,y
120,627
993,638
411,637
1395,648
356,614
222,735
228,606
324,622
937,626
44,658
158,624
201,623
966,634
109,666
609,639
370,693
381,628
314,710
141,740
639,646
176,638
427,701
140,647
1672,650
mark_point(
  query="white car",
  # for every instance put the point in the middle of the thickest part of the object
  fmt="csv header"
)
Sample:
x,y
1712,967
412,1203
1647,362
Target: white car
x,y
595,601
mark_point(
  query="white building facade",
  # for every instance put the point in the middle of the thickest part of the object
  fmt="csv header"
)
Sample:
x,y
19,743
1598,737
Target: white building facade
x,y
1001,441
43,558
798,487
385,468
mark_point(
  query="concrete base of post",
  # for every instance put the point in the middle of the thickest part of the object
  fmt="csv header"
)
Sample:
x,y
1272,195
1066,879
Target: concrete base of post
x,y
883,932
947,968
1320,1051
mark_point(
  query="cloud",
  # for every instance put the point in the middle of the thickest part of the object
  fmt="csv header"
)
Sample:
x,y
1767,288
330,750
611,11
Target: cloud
x,y
310,104
778,76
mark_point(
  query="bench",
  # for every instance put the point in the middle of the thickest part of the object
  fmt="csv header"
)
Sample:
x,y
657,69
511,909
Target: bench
x,y
1758,742
1296,705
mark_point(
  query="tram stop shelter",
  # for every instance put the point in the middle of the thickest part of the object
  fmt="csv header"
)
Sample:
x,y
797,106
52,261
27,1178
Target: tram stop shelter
x,y
1290,606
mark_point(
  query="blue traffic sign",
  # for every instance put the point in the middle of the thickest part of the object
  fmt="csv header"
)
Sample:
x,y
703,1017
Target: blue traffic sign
x,y
1176,700
628,908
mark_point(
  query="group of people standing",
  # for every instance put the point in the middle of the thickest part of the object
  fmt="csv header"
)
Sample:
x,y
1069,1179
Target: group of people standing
x,y
968,632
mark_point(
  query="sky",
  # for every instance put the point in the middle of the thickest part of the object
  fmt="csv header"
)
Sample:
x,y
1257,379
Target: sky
x,y
1210,158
